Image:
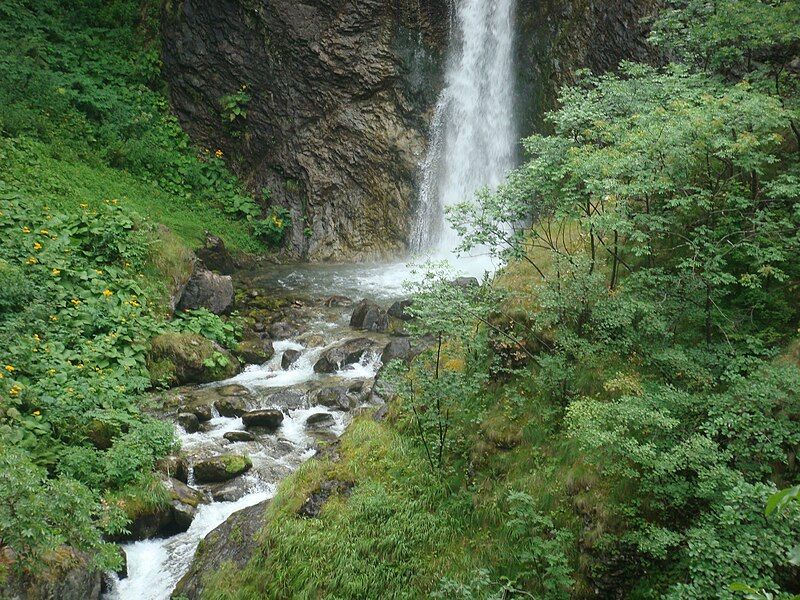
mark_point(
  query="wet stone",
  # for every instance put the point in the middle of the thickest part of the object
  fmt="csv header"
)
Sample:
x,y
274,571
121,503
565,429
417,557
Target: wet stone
x,y
221,468
239,436
289,358
320,420
189,422
269,418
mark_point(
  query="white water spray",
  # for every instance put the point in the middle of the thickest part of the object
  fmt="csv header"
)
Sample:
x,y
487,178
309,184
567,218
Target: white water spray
x,y
473,137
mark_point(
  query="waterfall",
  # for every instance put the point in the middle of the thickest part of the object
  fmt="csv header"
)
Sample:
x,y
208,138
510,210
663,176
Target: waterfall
x,y
473,138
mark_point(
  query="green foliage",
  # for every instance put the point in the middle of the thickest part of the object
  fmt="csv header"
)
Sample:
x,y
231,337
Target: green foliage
x,y
272,229
234,106
85,92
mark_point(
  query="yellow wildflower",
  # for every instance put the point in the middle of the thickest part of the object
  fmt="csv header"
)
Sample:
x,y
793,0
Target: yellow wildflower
x,y
36,413
26,230
44,231
2,376
53,318
55,272
10,368
218,153
37,246
84,205
36,337
75,302
107,292
32,260
15,390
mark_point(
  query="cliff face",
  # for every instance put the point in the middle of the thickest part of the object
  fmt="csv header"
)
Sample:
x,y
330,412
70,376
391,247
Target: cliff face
x,y
556,38
336,97
339,93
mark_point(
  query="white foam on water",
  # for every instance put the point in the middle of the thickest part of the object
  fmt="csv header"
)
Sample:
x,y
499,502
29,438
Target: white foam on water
x,y
156,565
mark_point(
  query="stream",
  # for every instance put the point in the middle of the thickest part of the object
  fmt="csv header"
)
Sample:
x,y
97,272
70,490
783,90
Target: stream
x,y
156,565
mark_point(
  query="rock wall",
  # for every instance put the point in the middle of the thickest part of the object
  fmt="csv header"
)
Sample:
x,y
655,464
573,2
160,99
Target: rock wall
x,y
555,38
340,94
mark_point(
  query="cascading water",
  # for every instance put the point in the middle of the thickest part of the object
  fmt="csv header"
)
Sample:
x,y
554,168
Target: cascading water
x,y
473,137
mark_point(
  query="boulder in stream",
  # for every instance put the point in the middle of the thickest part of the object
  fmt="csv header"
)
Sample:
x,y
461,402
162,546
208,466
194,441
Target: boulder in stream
x,y
398,310
343,354
175,467
231,406
320,420
289,358
369,316
232,543
179,358
270,418
333,397
189,422
208,290
239,436
165,519
254,350
221,468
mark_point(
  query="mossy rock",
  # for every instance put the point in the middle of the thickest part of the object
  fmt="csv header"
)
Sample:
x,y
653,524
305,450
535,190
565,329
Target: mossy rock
x,y
180,358
255,351
221,468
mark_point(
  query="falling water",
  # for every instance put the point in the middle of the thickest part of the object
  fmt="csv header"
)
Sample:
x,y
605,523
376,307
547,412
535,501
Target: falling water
x,y
473,137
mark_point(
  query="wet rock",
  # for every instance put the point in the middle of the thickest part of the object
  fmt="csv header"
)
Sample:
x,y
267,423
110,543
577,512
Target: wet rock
x,y
215,255
228,491
269,418
337,300
398,310
368,316
282,330
167,519
312,340
332,397
239,436
208,290
184,501
231,406
343,354
232,543
189,422
320,420
179,358
312,507
398,348
289,358
175,467
231,390
203,412
254,350
287,399
221,468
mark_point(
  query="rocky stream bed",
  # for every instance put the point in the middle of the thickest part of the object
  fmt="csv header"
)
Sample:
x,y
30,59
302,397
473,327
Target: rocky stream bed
x,y
317,337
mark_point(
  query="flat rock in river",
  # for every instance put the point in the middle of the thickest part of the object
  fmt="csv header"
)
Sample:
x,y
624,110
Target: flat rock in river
x,y
221,468
343,354
269,417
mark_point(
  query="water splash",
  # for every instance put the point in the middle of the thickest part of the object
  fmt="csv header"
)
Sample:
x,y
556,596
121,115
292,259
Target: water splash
x,y
473,138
